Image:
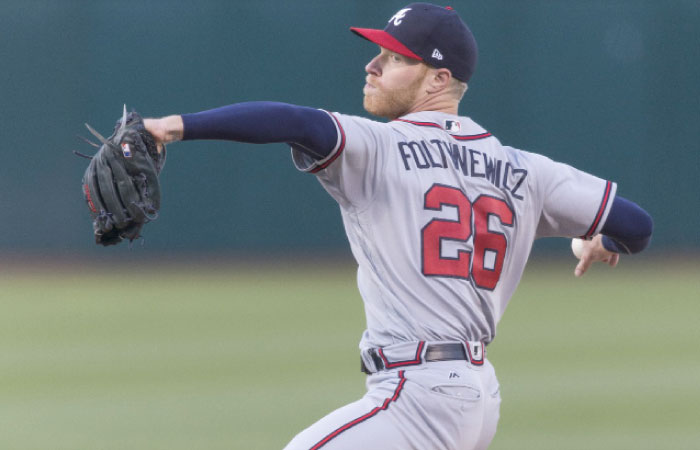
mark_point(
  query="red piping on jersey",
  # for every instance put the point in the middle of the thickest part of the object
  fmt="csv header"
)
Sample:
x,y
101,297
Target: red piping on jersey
x,y
420,124
347,426
337,152
472,137
415,361
601,210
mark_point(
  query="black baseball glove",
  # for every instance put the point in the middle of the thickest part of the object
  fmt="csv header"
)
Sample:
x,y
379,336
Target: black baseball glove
x,y
121,185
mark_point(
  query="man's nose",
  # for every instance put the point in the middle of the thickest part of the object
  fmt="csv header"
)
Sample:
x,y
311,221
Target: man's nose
x,y
373,67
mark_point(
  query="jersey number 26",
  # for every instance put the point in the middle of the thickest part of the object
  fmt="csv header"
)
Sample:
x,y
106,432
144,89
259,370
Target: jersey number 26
x,y
437,230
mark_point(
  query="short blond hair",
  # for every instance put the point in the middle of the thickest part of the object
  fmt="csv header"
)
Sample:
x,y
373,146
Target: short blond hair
x,y
458,88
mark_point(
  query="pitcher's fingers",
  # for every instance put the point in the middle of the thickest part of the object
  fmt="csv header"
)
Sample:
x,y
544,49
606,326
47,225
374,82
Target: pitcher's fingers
x,y
582,266
614,259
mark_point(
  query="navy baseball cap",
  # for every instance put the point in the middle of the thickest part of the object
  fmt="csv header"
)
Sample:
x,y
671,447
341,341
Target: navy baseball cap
x,y
433,34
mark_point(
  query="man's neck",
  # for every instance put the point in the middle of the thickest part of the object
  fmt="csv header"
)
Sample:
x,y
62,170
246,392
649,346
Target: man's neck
x,y
437,104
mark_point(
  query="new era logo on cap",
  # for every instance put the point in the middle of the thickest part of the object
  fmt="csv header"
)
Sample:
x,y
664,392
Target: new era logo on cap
x,y
429,33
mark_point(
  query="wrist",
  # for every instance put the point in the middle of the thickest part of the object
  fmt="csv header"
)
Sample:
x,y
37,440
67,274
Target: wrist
x,y
166,129
173,128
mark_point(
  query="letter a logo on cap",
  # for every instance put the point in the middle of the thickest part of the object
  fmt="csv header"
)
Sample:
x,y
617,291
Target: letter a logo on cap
x,y
398,17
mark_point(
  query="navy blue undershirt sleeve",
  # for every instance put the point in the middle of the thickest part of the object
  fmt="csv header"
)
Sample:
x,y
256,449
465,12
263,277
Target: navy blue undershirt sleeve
x,y
309,130
628,227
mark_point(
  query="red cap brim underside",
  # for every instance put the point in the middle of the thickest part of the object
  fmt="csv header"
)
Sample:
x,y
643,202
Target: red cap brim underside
x,y
384,39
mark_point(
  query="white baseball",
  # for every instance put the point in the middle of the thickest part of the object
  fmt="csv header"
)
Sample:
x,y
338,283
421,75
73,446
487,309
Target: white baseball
x,y
577,247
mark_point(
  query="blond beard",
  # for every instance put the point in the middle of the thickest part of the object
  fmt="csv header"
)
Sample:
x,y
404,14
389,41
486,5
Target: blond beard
x,y
393,103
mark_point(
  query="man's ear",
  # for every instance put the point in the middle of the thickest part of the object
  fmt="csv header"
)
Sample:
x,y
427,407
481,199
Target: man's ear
x,y
439,80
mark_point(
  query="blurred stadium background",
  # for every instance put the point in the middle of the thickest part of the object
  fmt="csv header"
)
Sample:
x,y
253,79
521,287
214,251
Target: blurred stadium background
x,y
235,324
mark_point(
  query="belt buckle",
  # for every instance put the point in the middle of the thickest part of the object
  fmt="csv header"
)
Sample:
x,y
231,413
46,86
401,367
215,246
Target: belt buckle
x,y
376,359
373,363
476,352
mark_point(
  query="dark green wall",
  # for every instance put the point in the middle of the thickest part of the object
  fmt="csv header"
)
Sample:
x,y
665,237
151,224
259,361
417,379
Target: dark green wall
x,y
610,86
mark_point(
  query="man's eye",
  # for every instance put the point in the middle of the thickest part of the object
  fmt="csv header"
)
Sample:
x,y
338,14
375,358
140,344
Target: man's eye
x,y
396,58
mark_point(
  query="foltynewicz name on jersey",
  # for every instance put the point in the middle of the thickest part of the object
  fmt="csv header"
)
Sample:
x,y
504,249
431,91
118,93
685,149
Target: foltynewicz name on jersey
x,y
438,154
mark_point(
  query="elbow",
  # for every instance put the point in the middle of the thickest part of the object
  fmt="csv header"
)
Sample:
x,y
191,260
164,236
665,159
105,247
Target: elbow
x,y
647,226
628,228
642,239
631,243
646,230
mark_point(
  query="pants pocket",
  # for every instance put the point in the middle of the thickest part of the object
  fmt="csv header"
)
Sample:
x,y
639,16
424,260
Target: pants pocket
x,y
457,391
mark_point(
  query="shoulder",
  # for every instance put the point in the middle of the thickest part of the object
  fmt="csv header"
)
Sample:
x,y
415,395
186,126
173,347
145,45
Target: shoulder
x,y
527,158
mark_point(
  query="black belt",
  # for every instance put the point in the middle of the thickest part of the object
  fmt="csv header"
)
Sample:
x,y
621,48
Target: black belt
x,y
434,352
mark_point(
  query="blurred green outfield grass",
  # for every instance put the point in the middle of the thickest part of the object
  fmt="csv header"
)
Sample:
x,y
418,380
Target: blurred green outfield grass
x,y
228,357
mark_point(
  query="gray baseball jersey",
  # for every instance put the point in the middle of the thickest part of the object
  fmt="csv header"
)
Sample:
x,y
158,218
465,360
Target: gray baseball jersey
x,y
441,218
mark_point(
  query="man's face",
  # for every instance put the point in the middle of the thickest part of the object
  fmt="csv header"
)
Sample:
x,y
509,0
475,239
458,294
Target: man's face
x,y
393,84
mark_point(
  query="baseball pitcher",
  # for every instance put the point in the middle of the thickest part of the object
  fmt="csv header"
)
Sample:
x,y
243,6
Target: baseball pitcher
x,y
441,218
